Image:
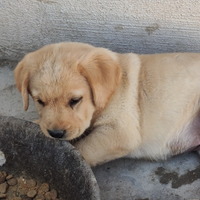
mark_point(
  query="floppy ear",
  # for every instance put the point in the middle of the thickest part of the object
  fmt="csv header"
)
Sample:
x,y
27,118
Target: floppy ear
x,y
21,80
103,73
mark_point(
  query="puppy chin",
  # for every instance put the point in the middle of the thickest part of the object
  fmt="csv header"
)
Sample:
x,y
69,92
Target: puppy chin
x,y
74,136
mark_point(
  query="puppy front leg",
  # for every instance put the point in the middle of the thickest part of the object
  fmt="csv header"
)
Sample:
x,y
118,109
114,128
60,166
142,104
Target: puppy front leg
x,y
105,144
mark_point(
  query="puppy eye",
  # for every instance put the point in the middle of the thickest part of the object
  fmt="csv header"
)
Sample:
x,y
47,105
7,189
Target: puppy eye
x,y
40,102
73,102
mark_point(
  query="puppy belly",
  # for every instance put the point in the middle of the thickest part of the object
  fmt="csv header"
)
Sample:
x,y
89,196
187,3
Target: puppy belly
x,y
188,139
185,140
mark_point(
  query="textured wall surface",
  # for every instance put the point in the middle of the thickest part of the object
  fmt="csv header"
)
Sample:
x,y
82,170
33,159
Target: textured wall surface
x,y
145,26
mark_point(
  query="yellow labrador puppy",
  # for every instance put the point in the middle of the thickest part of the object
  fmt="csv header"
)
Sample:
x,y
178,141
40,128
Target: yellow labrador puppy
x,y
140,106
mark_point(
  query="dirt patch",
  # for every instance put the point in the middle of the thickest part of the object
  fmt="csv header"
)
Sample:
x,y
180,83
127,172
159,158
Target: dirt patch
x,y
152,28
177,181
8,63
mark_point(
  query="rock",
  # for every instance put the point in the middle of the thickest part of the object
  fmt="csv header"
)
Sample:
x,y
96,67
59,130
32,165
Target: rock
x,y
52,195
41,192
48,196
9,177
2,177
2,196
3,187
17,198
4,173
31,193
44,187
12,181
27,198
31,183
40,197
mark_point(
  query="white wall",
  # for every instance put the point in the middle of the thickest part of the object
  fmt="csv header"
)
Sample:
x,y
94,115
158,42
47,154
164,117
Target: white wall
x,y
142,26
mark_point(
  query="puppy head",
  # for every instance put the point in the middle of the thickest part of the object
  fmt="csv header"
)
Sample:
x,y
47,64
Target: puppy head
x,y
68,82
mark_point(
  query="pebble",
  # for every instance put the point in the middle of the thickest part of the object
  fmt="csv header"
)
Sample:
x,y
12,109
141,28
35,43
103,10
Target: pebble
x,y
2,196
12,181
2,177
31,183
31,193
27,198
41,192
39,196
44,187
52,195
3,187
48,196
9,177
17,198
4,173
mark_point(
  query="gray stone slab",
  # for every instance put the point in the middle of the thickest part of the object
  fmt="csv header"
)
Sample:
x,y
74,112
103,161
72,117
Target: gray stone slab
x,y
177,178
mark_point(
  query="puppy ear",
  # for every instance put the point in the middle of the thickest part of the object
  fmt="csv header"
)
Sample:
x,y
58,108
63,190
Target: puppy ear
x,y
21,80
103,73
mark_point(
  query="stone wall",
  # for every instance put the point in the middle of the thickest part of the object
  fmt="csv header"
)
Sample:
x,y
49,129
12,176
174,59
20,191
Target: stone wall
x,y
143,26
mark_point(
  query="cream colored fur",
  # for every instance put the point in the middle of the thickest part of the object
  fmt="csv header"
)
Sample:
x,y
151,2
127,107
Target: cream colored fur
x,y
140,106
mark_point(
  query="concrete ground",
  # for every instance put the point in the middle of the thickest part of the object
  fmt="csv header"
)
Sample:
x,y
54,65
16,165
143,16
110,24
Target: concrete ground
x,y
123,179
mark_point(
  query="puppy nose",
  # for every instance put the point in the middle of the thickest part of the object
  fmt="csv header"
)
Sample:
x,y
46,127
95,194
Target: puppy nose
x,y
56,133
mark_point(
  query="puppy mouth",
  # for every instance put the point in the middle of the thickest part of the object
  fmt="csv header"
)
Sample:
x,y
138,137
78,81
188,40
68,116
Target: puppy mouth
x,y
82,136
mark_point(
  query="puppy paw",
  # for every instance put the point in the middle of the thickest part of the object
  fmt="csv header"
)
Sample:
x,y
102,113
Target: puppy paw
x,y
37,121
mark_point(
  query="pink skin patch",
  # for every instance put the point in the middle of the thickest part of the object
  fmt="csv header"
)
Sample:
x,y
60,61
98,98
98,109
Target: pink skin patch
x,y
194,131
189,139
